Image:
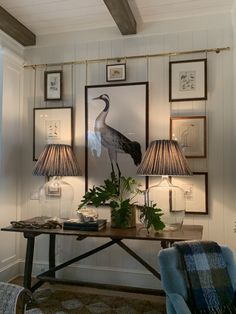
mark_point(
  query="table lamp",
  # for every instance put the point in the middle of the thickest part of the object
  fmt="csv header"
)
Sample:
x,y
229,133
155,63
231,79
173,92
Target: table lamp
x,y
56,196
164,158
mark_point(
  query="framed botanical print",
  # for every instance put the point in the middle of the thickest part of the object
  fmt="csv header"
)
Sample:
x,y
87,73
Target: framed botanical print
x,y
190,132
195,189
52,85
51,126
188,80
116,128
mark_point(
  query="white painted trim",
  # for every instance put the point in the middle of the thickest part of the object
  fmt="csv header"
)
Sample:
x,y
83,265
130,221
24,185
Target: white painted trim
x,y
10,271
9,43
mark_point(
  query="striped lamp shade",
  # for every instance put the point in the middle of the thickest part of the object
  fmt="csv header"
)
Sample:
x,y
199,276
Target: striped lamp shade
x,y
164,158
57,160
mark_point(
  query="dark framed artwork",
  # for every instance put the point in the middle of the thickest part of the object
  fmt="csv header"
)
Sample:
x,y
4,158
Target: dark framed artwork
x,y
116,72
51,125
188,80
116,130
195,189
52,85
190,132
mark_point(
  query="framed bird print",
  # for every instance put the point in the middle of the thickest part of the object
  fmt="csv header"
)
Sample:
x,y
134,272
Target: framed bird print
x,y
116,131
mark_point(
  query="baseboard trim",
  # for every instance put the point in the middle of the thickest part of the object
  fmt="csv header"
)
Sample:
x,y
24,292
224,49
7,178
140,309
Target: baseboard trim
x,y
10,271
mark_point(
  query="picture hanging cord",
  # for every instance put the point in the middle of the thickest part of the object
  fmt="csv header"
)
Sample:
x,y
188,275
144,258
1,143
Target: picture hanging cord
x,y
163,54
206,91
147,68
86,73
34,86
72,85
62,65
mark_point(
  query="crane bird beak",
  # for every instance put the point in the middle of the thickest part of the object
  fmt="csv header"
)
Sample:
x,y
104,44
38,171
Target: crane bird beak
x,y
96,97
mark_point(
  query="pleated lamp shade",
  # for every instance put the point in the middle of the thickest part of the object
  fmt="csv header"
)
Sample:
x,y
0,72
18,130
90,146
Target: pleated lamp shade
x,y
164,158
57,160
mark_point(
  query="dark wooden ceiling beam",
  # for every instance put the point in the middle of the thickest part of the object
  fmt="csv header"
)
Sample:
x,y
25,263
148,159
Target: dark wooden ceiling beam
x,y
122,15
12,27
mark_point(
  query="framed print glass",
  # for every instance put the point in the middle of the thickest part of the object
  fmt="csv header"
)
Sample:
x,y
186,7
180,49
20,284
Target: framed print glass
x,y
190,132
52,85
116,128
188,80
195,190
116,72
51,126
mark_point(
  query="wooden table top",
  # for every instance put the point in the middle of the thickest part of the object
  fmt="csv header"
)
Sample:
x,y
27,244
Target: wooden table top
x,y
187,232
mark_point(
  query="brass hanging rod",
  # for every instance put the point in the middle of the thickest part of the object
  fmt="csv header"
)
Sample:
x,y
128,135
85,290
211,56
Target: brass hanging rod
x,y
118,59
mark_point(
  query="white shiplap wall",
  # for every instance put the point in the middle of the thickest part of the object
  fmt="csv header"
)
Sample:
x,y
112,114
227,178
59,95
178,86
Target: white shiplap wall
x,y
113,265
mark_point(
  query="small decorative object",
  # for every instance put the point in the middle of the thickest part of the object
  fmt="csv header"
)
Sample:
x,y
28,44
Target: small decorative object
x,y
119,193
190,132
52,85
110,132
196,192
87,214
51,126
188,80
116,72
56,196
164,158
37,223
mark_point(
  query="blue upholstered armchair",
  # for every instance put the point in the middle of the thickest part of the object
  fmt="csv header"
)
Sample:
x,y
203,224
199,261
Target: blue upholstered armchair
x,y
173,280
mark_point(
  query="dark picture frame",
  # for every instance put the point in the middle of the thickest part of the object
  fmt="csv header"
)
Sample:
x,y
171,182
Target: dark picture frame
x,y
188,80
126,112
190,132
115,72
52,85
51,125
195,189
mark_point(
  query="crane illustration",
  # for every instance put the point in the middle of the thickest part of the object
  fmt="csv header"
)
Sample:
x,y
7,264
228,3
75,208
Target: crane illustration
x,y
114,141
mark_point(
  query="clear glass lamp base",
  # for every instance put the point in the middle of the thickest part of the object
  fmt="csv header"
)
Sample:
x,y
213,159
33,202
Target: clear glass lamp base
x,y
56,198
171,200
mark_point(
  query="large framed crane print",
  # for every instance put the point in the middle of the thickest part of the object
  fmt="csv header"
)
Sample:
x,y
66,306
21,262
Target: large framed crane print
x,y
116,131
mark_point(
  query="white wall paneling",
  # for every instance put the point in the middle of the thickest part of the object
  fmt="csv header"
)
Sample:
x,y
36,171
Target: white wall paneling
x,y
114,264
11,157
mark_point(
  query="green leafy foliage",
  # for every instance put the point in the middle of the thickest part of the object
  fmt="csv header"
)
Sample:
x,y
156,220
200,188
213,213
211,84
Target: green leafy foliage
x,y
151,216
119,193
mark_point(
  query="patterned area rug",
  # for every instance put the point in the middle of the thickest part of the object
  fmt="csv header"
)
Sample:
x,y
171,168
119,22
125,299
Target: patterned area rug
x,y
48,301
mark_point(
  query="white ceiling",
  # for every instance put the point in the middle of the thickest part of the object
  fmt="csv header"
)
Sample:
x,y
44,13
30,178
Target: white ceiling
x,y
56,16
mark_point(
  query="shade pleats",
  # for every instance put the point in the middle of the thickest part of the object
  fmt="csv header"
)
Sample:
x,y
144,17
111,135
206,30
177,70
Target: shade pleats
x,y
57,160
164,157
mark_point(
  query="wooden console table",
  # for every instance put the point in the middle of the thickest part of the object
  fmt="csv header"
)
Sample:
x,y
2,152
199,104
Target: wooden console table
x,y
187,232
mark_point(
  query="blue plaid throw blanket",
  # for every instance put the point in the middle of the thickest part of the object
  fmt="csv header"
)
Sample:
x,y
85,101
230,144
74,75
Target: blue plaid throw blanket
x,y
208,283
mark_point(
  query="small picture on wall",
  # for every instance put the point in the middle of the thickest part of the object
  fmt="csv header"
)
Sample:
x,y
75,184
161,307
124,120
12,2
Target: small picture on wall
x,y
188,80
116,72
52,85
190,132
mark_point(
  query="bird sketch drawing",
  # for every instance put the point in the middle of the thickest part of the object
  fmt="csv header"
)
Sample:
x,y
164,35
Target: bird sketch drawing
x,y
114,141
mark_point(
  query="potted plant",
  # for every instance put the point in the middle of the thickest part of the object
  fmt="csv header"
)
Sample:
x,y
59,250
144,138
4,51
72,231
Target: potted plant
x,y
119,193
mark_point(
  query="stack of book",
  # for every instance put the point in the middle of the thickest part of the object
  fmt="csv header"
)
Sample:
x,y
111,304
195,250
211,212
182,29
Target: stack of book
x,y
76,224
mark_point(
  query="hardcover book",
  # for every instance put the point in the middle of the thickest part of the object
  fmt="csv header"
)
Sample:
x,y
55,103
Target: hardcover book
x,y
76,224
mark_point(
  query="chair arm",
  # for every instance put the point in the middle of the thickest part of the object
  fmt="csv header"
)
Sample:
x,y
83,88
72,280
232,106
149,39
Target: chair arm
x,y
178,303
